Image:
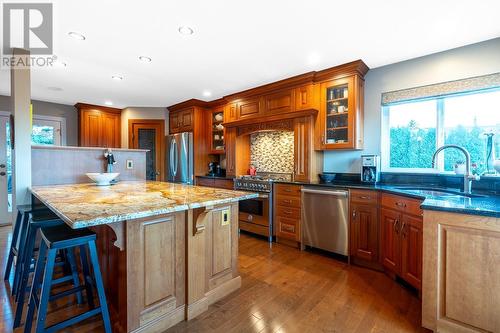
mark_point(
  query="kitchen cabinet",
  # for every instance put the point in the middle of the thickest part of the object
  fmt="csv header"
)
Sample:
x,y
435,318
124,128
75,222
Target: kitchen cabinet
x,y
282,101
99,126
230,137
216,131
230,112
364,225
215,182
249,108
340,119
287,214
302,149
401,227
181,120
306,97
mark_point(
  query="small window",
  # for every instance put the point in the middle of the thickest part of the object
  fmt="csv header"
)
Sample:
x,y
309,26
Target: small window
x,y
47,131
412,131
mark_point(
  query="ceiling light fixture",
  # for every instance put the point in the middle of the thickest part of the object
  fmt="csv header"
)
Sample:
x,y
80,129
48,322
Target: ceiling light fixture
x,y
117,77
186,30
76,35
207,93
144,59
108,103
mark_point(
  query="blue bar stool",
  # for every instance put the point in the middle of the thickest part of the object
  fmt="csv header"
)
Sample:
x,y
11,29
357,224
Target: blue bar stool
x,y
38,219
62,237
18,234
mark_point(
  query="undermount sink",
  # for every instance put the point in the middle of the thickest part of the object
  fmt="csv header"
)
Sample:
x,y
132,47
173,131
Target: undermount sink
x,y
437,192
102,179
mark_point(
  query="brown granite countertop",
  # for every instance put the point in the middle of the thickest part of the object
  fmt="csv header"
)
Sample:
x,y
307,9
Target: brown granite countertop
x,y
84,205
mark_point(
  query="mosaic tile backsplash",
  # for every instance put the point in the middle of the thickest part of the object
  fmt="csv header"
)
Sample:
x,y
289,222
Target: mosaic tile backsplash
x,y
272,151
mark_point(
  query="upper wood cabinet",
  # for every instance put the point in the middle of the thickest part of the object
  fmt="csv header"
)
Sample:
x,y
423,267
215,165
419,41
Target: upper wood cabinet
x,y
340,120
280,102
249,107
99,126
181,120
306,97
216,131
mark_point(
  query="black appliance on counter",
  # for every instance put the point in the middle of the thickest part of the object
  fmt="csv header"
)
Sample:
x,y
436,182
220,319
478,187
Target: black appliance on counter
x,y
215,170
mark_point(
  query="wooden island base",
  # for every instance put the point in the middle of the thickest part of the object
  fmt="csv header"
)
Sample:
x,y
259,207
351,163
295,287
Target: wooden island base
x,y
164,269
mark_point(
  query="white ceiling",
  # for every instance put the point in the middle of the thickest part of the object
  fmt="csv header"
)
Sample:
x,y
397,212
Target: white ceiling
x,y
238,44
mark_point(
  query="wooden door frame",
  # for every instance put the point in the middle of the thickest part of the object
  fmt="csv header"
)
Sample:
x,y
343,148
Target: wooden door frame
x,y
160,149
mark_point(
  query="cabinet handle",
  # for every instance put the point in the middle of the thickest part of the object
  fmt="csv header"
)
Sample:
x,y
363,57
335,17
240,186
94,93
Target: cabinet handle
x,y
400,204
365,197
287,190
287,201
396,223
403,229
287,212
353,214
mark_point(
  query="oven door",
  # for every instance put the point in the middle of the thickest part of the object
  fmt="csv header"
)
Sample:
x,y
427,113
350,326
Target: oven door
x,y
255,210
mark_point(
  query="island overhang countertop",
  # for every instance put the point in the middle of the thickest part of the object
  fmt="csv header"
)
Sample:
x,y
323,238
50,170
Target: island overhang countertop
x,y
85,205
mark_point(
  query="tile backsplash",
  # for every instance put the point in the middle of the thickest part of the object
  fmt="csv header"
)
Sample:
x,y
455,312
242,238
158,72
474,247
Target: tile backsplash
x,y
272,151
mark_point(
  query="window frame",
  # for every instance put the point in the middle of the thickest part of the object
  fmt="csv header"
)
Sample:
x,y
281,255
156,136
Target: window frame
x,y
60,120
385,145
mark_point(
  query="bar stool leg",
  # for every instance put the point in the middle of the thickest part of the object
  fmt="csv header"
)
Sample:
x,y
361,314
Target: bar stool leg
x,y
86,277
74,272
45,294
15,236
20,254
100,286
23,280
37,277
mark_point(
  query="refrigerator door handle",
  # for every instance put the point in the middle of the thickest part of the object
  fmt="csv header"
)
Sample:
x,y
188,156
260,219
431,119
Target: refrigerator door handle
x,y
176,158
172,158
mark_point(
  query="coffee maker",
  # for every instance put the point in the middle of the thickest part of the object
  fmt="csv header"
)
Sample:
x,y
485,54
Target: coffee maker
x,y
370,168
215,170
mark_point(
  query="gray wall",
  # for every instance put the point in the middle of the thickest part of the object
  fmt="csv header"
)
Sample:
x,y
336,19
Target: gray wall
x,y
52,109
468,61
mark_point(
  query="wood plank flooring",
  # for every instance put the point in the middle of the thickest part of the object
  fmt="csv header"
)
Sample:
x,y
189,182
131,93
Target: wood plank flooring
x,y
283,290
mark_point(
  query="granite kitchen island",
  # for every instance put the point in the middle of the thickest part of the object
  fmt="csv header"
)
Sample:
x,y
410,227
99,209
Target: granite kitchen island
x,y
167,251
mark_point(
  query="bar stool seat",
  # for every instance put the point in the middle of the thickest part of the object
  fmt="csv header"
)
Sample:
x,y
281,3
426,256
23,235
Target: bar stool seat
x,y
62,237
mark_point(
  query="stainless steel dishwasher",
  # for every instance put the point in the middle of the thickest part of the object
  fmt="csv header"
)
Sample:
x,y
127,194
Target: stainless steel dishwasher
x,y
324,219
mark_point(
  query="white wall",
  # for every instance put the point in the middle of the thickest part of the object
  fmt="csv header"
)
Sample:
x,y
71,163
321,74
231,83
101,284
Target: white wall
x,y
468,61
140,113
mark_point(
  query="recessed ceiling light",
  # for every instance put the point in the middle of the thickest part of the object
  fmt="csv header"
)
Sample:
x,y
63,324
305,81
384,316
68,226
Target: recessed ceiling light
x,y
76,35
207,93
186,30
117,77
145,59
55,88
108,103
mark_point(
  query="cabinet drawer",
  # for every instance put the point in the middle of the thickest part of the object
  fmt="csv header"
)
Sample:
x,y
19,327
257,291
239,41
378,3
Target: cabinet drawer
x,y
287,201
364,196
285,189
224,183
287,228
204,182
403,204
288,212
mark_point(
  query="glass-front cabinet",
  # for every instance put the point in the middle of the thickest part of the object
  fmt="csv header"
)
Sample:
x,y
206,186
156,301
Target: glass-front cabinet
x,y
217,142
340,122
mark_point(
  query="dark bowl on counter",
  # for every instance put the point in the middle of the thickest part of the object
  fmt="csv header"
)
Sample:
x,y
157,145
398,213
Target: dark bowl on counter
x,y
327,177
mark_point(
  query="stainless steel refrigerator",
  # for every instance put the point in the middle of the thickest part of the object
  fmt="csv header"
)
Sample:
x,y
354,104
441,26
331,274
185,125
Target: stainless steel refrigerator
x,y
180,158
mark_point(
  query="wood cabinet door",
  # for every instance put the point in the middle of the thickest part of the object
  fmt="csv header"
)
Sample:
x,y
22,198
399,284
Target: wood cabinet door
x,y
280,102
174,122
306,98
248,108
338,115
111,128
90,128
230,137
364,231
302,149
187,120
287,228
230,113
411,250
391,242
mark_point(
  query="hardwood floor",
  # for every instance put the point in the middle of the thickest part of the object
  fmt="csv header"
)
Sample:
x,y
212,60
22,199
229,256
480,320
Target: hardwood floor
x,y
283,290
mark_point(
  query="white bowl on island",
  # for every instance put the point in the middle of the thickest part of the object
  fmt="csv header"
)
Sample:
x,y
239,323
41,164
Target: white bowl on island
x,y
102,179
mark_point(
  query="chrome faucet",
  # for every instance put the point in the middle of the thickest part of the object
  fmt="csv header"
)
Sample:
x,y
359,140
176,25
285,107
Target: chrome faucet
x,y
468,176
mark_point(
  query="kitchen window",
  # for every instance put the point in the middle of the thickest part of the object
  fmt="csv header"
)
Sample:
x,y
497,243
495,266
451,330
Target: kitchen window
x,y
411,131
48,130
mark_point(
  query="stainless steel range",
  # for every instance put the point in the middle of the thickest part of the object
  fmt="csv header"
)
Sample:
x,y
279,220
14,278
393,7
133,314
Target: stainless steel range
x,y
256,215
